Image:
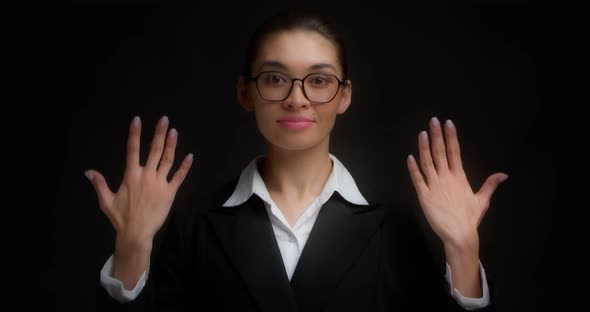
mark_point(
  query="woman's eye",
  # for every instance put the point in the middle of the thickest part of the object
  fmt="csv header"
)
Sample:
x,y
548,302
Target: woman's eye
x,y
319,81
274,79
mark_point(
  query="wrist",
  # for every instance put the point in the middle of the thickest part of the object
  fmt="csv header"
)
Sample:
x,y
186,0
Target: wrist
x,y
466,247
125,246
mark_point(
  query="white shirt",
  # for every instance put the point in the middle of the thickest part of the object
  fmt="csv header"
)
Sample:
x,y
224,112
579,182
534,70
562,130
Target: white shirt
x,y
291,240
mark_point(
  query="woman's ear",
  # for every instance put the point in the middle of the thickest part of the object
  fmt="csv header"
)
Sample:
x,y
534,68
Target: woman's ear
x,y
243,97
345,98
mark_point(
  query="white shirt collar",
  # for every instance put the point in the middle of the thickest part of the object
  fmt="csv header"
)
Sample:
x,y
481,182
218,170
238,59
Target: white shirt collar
x,y
340,180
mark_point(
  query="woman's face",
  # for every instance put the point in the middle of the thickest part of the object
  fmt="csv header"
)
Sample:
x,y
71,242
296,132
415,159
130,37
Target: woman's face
x,y
296,53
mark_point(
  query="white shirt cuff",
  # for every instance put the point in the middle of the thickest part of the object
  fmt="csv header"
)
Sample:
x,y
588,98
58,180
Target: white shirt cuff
x,y
115,287
466,302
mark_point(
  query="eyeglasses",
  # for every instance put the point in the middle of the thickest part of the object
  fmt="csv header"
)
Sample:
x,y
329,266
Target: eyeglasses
x,y
317,88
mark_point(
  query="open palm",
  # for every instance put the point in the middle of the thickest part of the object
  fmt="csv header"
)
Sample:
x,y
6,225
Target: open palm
x,y
450,206
145,195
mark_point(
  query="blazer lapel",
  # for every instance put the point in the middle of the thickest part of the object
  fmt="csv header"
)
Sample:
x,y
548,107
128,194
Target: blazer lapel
x,y
337,239
247,237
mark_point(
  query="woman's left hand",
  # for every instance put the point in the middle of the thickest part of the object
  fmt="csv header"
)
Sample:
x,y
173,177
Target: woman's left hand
x,y
450,206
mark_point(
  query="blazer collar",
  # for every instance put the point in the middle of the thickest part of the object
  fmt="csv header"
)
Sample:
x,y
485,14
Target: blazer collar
x,y
337,239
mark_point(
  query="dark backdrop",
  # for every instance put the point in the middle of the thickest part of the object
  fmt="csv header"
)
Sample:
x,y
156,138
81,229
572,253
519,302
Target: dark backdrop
x,y
506,74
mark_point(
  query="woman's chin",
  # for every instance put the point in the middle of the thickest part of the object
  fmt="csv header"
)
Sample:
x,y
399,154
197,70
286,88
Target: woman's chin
x,y
292,143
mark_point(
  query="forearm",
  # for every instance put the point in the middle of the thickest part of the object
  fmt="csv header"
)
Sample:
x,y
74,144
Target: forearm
x,y
463,260
131,261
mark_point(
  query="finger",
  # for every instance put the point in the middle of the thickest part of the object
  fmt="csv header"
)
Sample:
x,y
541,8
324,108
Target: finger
x,y
439,153
425,157
453,150
180,174
133,143
103,192
489,186
168,156
417,178
157,145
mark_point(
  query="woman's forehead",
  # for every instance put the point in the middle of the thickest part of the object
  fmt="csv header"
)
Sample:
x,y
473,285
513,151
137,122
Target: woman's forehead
x,y
297,51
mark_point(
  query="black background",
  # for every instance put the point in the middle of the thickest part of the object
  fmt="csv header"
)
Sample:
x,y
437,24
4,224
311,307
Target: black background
x,y
510,76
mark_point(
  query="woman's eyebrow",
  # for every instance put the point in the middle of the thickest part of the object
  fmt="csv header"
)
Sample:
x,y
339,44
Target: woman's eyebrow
x,y
273,64
284,67
322,66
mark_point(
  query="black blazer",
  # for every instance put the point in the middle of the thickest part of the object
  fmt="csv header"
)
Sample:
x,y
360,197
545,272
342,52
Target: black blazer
x,y
357,258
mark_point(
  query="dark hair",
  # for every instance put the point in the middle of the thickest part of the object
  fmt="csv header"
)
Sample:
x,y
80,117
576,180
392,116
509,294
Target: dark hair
x,y
294,19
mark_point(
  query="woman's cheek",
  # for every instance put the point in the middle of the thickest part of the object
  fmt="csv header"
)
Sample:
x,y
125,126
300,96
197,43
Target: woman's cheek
x,y
266,125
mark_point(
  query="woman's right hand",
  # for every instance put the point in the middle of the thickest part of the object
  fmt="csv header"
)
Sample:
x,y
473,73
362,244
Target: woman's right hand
x,y
143,200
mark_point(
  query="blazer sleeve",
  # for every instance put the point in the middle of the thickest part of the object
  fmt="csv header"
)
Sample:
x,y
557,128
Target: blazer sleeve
x,y
411,279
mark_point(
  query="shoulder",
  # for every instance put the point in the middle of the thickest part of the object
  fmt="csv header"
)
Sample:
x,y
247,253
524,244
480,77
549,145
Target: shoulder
x,y
219,195
190,207
400,216
199,202
404,227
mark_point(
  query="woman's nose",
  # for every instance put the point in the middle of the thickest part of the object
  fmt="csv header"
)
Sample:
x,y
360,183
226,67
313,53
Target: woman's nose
x,y
297,96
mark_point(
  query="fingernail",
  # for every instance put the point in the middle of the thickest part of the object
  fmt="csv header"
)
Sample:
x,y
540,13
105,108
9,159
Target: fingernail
x,y
504,178
164,120
88,175
450,124
435,122
136,121
411,158
189,157
423,135
173,133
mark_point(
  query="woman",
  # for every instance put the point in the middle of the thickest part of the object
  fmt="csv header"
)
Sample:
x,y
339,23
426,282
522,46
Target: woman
x,y
292,232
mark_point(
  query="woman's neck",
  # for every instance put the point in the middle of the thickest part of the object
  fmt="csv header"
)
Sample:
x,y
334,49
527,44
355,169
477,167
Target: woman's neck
x,y
296,174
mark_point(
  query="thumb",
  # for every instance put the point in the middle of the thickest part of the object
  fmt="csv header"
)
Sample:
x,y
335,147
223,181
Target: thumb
x,y
105,195
490,185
